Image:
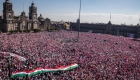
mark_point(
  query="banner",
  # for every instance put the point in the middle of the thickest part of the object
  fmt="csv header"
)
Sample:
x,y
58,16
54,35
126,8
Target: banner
x,y
41,70
20,58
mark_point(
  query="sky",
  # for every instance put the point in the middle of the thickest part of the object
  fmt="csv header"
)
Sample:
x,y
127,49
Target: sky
x,y
92,11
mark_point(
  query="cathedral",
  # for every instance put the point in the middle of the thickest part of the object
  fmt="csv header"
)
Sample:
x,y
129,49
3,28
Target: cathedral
x,y
10,22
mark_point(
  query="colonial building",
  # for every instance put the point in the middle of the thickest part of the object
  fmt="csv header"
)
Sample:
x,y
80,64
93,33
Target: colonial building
x,y
45,24
10,22
109,28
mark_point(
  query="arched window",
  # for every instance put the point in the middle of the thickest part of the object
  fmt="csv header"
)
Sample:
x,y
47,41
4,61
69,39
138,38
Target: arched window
x,y
9,16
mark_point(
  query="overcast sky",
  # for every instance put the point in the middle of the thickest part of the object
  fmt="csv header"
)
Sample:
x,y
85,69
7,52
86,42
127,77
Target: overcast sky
x,y
95,11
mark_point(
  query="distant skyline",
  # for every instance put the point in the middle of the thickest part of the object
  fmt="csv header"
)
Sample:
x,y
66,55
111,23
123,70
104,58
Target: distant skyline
x,y
93,11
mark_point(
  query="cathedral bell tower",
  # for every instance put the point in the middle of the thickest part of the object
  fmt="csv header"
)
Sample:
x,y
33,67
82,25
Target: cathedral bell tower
x,y
33,16
8,15
33,12
8,12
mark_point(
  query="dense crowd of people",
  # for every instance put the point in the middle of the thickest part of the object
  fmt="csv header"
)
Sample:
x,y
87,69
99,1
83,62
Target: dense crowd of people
x,y
99,56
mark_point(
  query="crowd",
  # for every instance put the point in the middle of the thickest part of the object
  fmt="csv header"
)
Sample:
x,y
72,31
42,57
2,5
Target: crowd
x,y
99,56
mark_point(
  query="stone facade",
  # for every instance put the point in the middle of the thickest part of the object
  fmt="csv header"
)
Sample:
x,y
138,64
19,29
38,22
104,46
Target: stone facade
x,y
10,22
45,24
108,28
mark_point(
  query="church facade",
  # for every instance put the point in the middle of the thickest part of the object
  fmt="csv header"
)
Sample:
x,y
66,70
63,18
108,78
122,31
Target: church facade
x,y
10,22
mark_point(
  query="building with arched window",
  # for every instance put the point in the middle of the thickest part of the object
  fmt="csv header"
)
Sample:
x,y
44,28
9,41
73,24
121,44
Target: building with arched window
x,y
10,22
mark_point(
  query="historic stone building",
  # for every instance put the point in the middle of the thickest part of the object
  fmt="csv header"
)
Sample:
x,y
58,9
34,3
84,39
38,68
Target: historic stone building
x,y
45,24
10,22
109,28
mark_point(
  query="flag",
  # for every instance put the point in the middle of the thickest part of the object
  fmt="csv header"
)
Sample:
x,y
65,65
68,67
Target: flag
x,y
41,70
18,74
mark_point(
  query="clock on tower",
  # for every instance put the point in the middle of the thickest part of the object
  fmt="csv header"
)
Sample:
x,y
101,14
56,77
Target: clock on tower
x,y
32,11
34,16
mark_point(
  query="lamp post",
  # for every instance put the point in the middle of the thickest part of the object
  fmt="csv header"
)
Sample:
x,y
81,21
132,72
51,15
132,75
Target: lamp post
x,y
79,21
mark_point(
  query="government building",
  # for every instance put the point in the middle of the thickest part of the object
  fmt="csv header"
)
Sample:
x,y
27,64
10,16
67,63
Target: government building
x,y
132,31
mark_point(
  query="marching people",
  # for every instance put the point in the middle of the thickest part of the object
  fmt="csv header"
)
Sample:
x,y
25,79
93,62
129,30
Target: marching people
x,y
99,56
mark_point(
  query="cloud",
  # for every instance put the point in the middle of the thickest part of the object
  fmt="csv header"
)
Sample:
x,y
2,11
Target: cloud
x,y
98,17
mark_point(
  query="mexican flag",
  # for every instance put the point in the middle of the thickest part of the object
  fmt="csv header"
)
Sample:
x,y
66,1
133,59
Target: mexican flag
x,y
19,74
41,70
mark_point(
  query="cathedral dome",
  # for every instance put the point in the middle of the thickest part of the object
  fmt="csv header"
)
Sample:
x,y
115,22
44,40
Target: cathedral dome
x,y
40,18
23,13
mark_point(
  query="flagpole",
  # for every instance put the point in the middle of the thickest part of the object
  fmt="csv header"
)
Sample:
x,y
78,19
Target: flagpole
x,y
110,17
139,20
23,6
79,21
